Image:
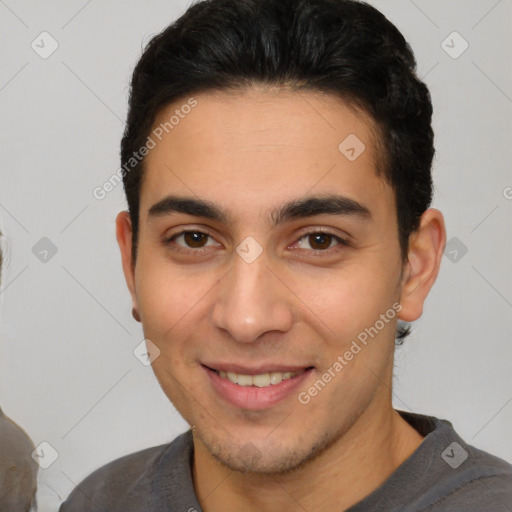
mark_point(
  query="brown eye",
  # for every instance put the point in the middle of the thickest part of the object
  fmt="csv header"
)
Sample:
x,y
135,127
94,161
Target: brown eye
x,y
195,239
187,240
320,241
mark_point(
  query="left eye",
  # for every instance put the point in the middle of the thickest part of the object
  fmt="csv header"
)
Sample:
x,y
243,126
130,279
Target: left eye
x,y
319,241
193,239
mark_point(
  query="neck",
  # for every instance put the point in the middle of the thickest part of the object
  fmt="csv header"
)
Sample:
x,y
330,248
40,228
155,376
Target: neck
x,y
350,469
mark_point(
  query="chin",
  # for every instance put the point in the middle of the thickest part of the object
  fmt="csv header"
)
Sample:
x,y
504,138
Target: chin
x,y
266,457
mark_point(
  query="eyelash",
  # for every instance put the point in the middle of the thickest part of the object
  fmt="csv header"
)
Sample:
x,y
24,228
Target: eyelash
x,y
317,252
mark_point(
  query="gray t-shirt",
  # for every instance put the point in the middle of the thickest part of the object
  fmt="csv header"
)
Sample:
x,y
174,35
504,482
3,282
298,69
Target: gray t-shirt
x,y
444,474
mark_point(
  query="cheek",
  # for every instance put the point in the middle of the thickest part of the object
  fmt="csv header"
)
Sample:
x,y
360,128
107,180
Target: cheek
x,y
350,300
168,298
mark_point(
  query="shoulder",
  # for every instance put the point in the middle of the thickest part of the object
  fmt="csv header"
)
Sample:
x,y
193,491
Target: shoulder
x,y
127,483
481,482
460,477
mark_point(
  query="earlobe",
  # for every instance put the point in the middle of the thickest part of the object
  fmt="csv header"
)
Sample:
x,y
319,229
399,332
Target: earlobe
x,y
124,240
426,247
136,315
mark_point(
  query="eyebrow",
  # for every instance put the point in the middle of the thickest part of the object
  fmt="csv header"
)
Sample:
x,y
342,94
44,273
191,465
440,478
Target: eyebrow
x,y
295,209
311,206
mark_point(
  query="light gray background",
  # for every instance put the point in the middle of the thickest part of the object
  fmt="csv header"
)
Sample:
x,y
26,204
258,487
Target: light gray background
x,y
67,371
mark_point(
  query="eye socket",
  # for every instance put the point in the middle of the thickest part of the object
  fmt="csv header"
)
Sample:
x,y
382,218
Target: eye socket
x,y
191,239
320,241
195,241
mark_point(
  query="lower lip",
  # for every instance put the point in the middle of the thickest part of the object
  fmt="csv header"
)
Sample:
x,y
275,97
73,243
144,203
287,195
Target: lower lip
x,y
252,397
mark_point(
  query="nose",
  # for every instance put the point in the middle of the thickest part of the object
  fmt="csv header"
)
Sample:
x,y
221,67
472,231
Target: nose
x,y
251,300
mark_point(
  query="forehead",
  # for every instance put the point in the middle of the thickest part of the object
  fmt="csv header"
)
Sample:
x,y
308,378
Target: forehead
x,y
263,146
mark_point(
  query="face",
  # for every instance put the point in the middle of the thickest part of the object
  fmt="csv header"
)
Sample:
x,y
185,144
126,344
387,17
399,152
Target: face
x,y
266,252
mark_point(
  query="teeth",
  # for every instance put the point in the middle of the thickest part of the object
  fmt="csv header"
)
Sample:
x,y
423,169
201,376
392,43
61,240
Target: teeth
x,y
276,377
261,381
244,380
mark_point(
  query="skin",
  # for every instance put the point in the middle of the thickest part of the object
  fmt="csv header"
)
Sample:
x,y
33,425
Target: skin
x,y
300,302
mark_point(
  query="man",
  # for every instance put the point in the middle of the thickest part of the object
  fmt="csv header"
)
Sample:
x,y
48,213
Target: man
x,y
276,162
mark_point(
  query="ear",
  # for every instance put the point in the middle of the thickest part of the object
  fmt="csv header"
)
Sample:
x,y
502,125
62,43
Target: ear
x,y
426,246
124,239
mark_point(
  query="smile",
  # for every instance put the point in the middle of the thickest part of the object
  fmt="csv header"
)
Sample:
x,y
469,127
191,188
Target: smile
x,y
261,381
256,388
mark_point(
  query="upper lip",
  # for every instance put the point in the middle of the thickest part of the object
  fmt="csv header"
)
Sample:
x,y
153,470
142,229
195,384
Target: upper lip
x,y
256,369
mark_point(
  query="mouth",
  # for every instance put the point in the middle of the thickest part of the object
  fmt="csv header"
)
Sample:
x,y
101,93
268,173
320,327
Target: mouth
x,y
256,389
261,380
